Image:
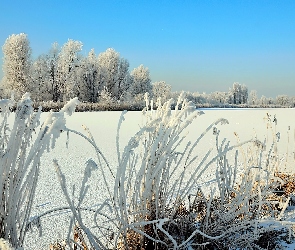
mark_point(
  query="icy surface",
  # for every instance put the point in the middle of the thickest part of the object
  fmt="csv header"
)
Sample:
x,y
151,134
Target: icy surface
x,y
247,124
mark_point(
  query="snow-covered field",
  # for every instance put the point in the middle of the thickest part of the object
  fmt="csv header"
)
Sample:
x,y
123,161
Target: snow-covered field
x,y
246,123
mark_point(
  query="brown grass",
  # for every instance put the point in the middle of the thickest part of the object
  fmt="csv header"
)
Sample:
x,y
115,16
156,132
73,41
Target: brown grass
x,y
58,245
289,183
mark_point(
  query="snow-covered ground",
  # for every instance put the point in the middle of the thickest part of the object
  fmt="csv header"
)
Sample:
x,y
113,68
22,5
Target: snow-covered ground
x,y
246,123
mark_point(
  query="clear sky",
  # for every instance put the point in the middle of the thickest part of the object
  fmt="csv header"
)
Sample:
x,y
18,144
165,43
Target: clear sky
x,y
193,45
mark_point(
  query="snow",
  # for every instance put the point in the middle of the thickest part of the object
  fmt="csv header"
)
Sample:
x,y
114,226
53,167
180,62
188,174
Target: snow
x,y
243,124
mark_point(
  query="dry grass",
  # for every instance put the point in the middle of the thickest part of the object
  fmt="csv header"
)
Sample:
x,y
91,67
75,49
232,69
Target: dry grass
x,y
133,240
79,242
58,245
287,186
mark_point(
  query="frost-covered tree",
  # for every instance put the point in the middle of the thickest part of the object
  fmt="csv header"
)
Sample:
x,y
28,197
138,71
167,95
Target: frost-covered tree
x,y
161,90
244,94
238,93
44,76
263,100
53,71
114,73
253,99
283,100
88,78
40,75
67,64
196,97
108,63
17,63
123,80
292,101
219,97
141,81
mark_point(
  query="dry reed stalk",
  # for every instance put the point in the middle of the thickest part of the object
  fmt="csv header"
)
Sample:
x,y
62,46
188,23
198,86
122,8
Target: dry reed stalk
x,y
78,238
21,152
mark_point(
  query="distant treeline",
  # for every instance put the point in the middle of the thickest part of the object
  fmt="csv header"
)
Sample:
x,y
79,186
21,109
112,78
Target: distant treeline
x,y
92,107
102,82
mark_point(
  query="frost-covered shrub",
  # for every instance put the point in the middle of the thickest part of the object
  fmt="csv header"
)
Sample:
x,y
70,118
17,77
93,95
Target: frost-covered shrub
x,y
20,162
49,106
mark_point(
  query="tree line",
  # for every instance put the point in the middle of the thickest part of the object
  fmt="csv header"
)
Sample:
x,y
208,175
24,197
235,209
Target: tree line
x,y
64,73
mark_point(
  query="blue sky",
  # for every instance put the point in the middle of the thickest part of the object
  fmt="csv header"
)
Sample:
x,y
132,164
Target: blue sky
x,y
193,45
